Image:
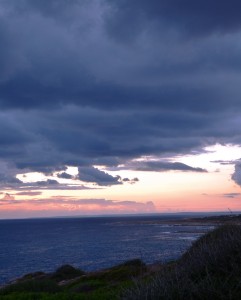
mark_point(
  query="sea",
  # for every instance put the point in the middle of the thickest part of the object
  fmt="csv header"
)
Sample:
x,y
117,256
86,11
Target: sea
x,y
91,243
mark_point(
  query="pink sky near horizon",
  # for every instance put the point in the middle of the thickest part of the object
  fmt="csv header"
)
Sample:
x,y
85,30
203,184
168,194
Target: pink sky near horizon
x,y
155,192
29,208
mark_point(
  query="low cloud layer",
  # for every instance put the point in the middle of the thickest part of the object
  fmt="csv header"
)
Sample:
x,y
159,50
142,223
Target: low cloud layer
x,y
232,195
161,166
65,205
91,174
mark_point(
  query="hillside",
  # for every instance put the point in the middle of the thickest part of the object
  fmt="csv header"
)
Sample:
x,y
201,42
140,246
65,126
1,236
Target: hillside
x,y
210,269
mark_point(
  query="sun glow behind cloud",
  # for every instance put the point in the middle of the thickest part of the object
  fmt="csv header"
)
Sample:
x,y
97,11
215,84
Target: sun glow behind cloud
x,y
167,191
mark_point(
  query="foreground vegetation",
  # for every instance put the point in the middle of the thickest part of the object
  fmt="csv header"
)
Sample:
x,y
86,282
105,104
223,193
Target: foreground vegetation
x,y
70,283
210,269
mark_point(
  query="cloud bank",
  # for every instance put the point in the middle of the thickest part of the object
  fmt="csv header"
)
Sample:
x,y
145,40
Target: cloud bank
x,y
57,205
101,83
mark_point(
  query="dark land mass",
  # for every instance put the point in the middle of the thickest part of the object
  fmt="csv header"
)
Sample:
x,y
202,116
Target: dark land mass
x,y
199,221
210,269
211,220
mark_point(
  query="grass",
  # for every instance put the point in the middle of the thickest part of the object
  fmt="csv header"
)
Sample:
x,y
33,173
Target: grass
x,y
70,283
210,269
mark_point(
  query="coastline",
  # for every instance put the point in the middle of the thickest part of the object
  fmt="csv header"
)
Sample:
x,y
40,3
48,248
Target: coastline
x,y
211,221
206,263
67,276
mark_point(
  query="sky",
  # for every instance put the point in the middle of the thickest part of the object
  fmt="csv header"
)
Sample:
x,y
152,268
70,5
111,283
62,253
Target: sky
x,y
119,107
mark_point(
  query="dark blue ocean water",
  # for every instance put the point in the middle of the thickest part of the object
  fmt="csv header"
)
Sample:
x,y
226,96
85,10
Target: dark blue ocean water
x,y
89,243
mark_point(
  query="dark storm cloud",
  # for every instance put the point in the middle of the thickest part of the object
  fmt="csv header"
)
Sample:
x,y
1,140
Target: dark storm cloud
x,y
191,17
91,174
236,176
100,83
84,136
13,136
44,185
196,17
65,175
161,166
56,59
54,8
131,181
8,175
6,179
47,182
28,193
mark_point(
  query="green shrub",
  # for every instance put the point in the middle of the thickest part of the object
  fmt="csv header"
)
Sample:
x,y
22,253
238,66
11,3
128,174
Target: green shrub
x,y
66,272
127,270
33,285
